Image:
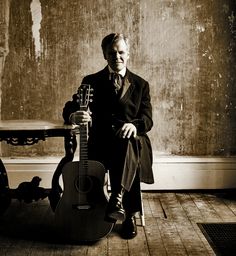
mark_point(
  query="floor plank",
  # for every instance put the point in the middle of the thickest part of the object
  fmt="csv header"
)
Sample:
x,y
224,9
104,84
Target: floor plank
x,y
208,212
171,228
221,208
154,238
195,216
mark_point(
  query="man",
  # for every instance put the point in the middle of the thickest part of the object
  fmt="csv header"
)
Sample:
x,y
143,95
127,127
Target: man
x,y
120,116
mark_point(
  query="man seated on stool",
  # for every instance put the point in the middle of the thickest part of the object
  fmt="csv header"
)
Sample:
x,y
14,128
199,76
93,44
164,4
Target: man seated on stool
x,y
120,116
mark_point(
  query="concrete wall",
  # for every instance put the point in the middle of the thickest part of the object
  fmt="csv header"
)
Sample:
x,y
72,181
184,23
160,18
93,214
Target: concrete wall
x,y
184,48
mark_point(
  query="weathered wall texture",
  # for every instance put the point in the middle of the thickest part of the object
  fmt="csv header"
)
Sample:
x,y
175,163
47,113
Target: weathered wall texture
x,y
184,48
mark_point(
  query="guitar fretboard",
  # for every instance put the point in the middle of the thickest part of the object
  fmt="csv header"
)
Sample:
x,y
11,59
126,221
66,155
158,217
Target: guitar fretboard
x,y
83,149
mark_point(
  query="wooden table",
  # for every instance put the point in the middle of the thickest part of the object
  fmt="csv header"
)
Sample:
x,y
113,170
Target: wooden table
x,y
29,132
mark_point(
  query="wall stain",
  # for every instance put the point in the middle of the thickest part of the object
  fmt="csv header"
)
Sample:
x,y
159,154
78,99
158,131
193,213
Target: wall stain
x,y
185,49
36,14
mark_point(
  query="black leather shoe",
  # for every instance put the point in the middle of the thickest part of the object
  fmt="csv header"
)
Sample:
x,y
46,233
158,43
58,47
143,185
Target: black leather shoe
x,y
115,210
129,228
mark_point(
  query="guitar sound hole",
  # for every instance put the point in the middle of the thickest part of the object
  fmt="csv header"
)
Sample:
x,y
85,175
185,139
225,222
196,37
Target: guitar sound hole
x,y
83,184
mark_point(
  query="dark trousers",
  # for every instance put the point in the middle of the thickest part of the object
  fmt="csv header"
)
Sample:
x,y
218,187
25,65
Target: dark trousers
x,y
123,173
120,158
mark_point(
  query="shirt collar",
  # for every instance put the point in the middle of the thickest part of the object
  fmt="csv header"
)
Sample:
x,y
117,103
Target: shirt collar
x,y
122,72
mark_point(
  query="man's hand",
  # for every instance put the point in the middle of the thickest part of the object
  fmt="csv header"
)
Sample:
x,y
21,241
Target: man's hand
x,y
127,130
80,117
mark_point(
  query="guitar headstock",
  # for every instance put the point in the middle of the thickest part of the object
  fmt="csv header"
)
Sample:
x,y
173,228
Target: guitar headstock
x,y
85,96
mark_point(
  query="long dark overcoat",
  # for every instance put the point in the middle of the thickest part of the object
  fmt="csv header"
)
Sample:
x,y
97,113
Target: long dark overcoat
x,y
110,112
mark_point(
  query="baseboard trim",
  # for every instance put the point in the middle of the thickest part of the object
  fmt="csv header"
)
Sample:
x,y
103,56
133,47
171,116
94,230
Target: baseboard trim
x,y
184,173
170,172
23,169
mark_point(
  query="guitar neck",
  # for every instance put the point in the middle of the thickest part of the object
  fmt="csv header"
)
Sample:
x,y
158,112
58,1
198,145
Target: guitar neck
x,y
84,96
84,147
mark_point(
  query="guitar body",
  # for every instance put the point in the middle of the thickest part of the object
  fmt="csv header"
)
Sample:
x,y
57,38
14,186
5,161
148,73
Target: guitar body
x,y
80,213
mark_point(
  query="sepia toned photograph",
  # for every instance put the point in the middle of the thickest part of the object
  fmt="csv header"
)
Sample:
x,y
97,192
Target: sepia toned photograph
x,y
117,127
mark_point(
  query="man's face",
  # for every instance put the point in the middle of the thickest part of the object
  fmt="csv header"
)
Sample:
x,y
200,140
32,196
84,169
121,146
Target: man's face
x,y
117,55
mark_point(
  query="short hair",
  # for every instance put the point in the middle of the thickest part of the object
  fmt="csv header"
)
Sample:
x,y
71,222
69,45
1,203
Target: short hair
x,y
110,39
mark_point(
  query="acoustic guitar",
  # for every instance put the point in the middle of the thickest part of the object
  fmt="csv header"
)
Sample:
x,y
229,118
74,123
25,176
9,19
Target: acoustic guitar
x,y
80,213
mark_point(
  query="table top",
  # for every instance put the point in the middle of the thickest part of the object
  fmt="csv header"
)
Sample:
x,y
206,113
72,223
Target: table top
x,y
29,125
29,132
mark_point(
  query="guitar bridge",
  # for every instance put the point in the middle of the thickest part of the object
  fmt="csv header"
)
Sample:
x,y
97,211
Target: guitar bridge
x,y
81,206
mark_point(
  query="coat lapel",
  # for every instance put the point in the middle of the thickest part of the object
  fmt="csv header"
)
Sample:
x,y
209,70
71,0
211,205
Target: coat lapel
x,y
127,87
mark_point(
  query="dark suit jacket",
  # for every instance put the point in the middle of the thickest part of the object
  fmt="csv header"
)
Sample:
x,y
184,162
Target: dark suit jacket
x,y
110,112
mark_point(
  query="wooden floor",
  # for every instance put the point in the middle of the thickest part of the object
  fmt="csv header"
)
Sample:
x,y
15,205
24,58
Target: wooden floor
x,y
171,228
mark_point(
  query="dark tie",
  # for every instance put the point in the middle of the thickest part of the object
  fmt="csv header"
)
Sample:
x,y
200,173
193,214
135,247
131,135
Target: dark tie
x,y
117,81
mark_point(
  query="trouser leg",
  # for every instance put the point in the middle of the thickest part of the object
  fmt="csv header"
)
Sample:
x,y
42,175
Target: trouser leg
x,y
132,198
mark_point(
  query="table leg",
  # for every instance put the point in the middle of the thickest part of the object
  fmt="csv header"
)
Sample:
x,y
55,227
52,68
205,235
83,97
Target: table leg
x,y
70,144
5,198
